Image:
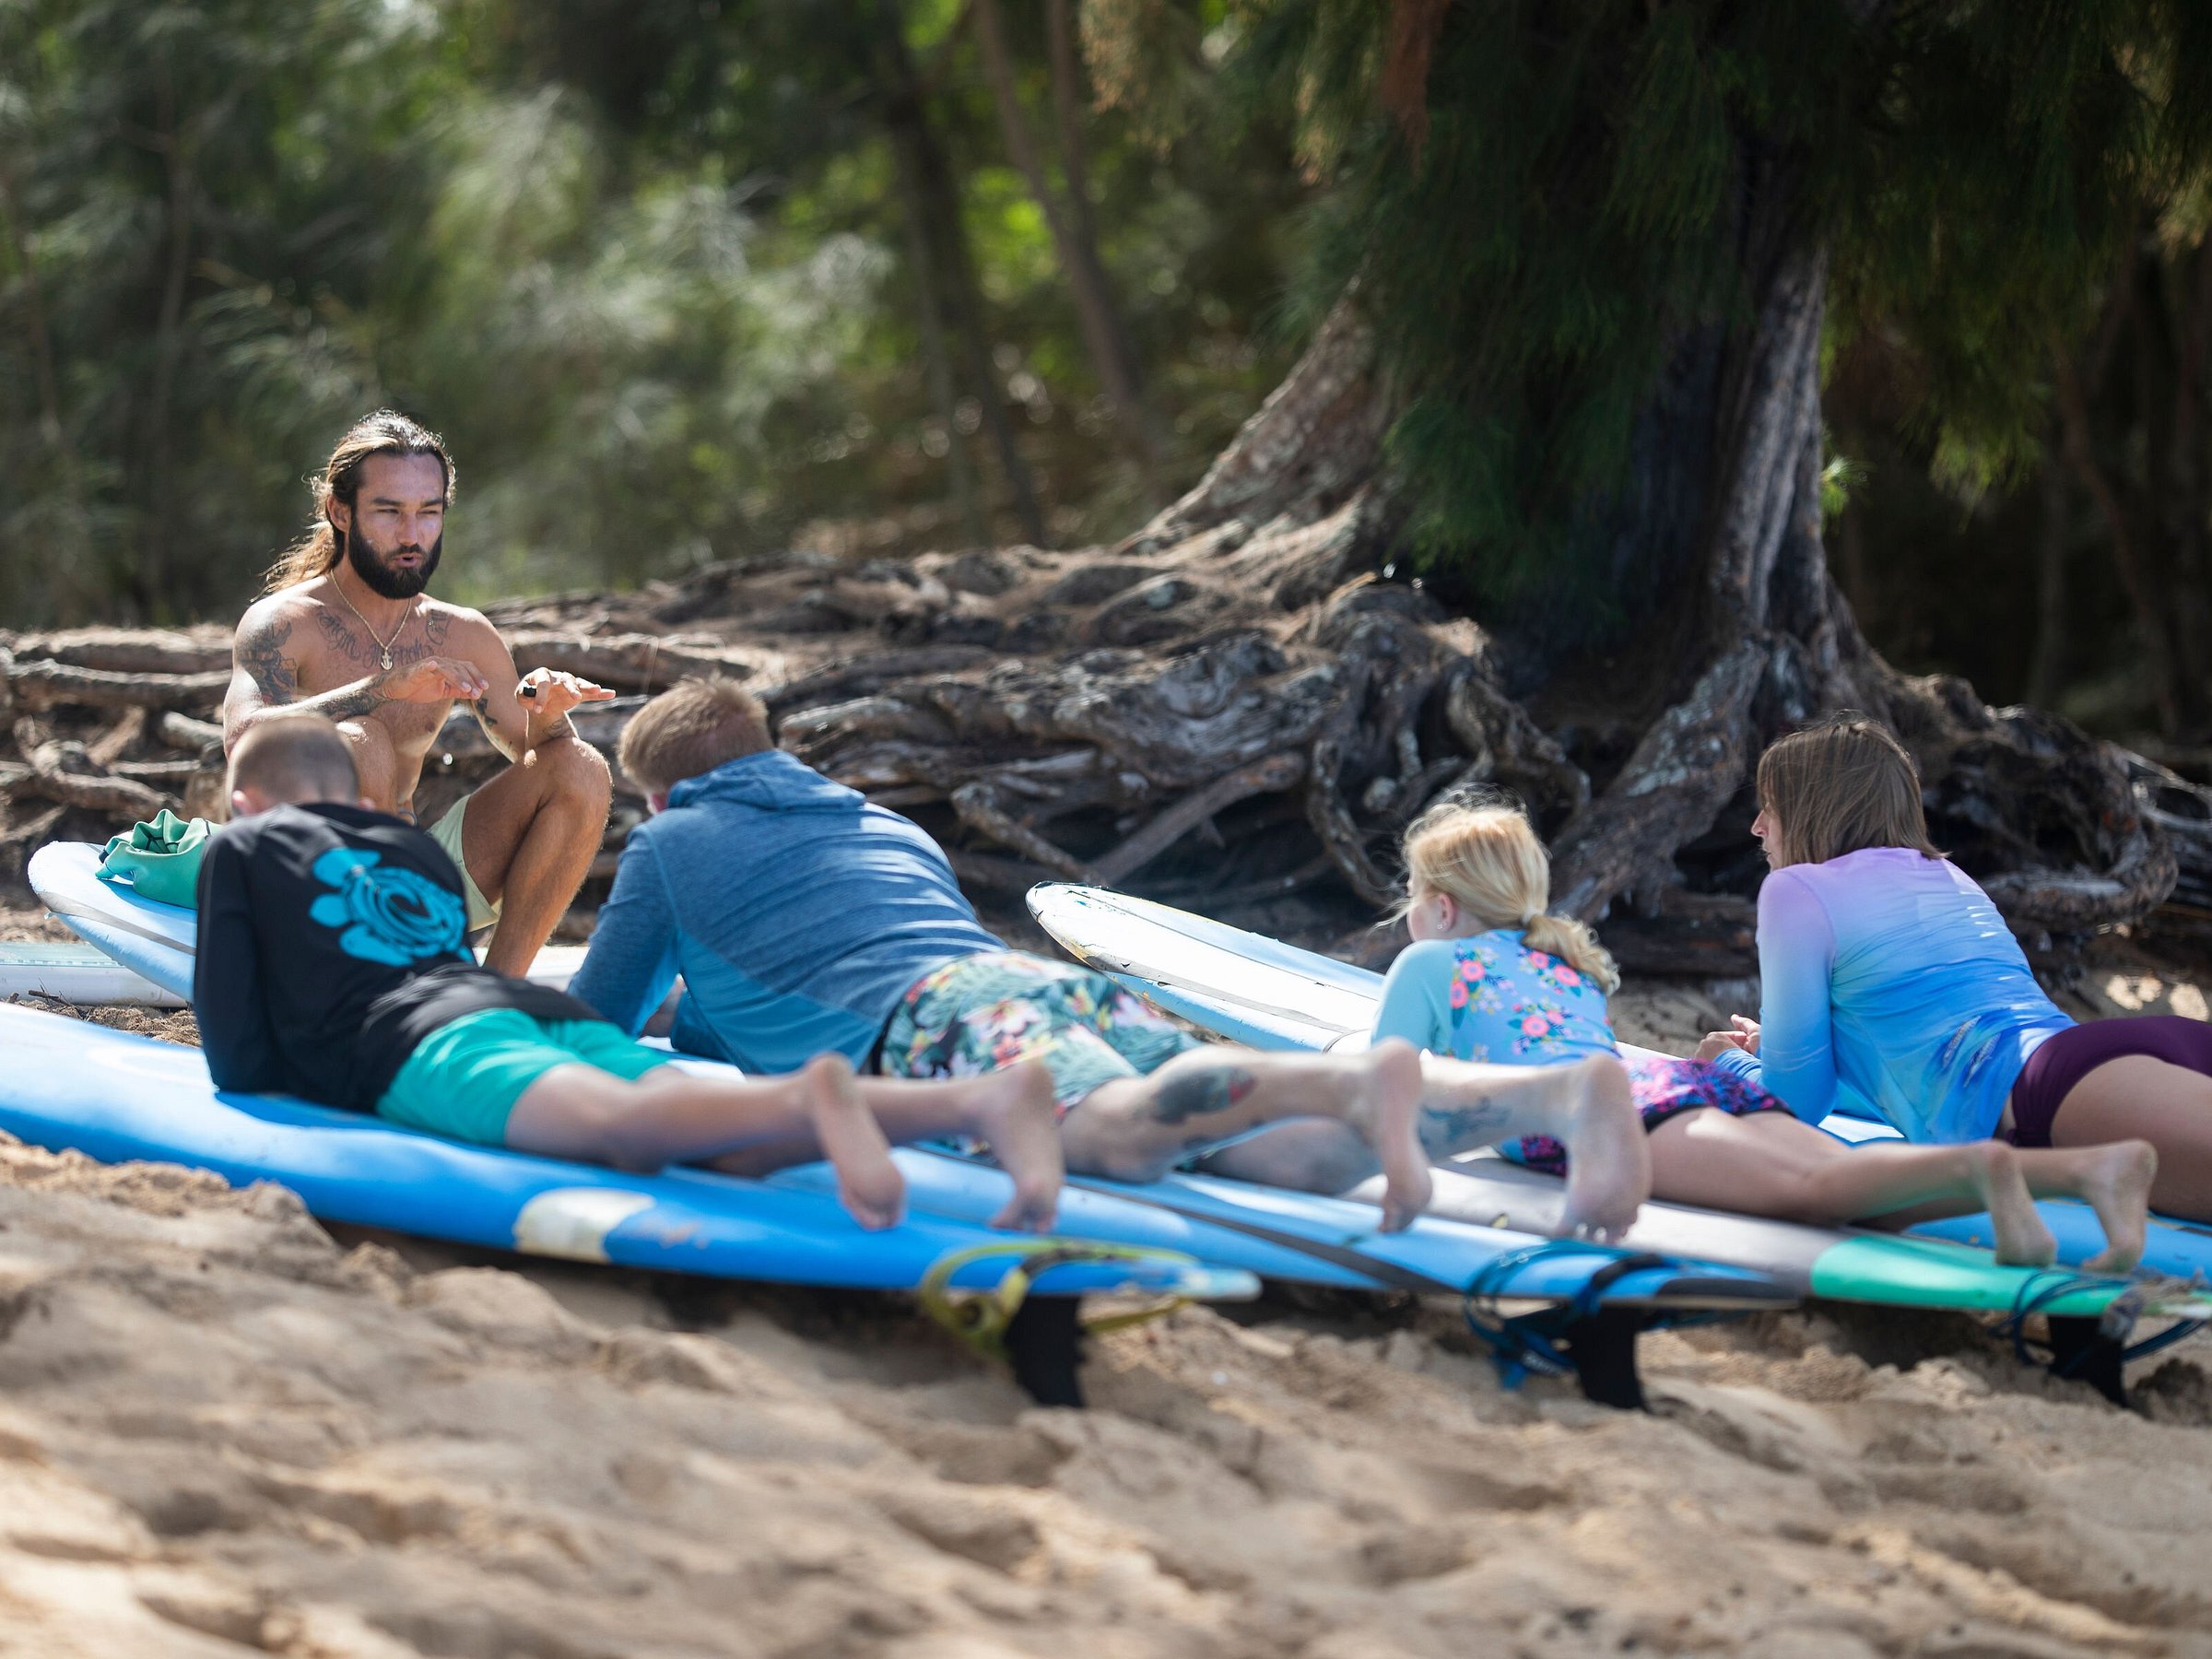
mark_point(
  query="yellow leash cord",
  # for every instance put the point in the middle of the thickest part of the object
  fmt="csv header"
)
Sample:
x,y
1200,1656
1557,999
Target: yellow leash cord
x,y
980,1318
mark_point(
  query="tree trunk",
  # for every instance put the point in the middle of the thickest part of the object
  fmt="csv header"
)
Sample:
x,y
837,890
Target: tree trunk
x,y
920,259
149,576
1105,337
34,312
912,131
2138,449
2047,668
1229,707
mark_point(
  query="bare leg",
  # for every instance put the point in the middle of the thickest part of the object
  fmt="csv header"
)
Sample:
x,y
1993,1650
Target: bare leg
x,y
1770,1164
529,839
375,761
1590,1110
1467,1105
2136,1098
1012,1110
1139,1128
673,1116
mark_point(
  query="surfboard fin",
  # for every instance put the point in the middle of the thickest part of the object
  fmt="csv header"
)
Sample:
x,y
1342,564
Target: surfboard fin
x,y
1041,1338
1595,1342
1043,1344
2082,1352
1601,1349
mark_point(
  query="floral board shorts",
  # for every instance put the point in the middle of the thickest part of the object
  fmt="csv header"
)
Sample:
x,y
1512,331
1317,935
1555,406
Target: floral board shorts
x,y
984,1013
1664,1087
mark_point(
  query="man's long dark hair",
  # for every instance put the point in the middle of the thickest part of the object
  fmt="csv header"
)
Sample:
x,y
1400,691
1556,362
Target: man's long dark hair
x,y
386,432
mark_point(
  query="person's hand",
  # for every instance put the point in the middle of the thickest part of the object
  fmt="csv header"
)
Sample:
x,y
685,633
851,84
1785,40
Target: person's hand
x,y
435,679
1742,1035
548,694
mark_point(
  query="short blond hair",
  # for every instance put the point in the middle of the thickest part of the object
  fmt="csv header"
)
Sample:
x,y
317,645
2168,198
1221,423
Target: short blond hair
x,y
1488,859
1841,786
294,759
694,726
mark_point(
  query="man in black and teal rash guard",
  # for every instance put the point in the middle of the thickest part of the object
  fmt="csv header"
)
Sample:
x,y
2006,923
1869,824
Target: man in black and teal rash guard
x,y
332,965
330,947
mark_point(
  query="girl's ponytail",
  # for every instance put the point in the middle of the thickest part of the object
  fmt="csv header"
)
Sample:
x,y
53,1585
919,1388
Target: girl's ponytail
x,y
1489,859
1574,944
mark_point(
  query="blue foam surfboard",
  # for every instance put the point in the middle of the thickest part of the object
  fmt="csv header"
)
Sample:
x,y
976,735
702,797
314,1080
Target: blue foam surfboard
x,y
69,1085
1288,1235
1306,1238
1259,991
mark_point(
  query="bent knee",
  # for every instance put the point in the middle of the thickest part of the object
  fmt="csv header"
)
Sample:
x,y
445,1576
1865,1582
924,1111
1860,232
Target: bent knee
x,y
577,771
368,741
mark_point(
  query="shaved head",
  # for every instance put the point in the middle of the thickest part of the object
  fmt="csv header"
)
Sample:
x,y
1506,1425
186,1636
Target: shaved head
x,y
293,761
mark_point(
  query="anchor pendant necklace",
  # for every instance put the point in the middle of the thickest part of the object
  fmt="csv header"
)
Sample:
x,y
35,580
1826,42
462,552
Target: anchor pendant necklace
x,y
384,646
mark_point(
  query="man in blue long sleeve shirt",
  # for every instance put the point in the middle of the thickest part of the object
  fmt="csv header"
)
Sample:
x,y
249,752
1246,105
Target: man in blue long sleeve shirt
x,y
802,917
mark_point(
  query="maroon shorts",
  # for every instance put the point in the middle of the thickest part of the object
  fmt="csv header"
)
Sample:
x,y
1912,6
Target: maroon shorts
x,y
2068,1056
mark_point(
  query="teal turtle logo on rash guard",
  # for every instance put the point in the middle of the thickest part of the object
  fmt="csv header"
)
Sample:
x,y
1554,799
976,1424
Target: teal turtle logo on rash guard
x,y
391,916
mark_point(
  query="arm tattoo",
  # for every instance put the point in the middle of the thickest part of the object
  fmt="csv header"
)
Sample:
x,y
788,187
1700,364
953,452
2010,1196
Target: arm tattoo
x,y
1201,1091
260,653
350,705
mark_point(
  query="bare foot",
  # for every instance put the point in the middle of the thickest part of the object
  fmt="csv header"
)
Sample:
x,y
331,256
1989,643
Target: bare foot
x,y
1608,1156
1386,1110
2022,1238
868,1180
1013,1111
2117,1185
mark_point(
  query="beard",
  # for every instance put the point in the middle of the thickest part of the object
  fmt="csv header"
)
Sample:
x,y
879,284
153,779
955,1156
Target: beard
x,y
382,581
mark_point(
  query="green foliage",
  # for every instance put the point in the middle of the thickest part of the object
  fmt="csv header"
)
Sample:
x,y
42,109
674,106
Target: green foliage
x,y
1578,214
641,261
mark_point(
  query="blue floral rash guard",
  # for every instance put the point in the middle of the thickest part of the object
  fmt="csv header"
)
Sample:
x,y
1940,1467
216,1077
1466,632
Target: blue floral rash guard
x,y
332,941
1490,997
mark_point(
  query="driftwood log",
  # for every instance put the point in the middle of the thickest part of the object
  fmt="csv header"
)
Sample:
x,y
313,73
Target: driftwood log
x,y
1236,711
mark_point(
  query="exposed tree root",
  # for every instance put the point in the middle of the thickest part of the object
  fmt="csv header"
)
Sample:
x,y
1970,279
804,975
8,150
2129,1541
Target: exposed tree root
x,y
1231,706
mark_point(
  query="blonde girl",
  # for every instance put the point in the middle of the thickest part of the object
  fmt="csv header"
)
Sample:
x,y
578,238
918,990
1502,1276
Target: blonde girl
x,y
1493,976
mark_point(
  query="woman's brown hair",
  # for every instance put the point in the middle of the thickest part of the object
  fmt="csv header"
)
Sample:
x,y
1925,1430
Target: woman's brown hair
x,y
1841,786
386,432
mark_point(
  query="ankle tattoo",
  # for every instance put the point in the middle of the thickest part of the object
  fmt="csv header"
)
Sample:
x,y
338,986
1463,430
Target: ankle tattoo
x,y
1454,1128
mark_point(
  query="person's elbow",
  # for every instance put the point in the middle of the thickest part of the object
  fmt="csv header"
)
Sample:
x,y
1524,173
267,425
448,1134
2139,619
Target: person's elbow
x,y
1807,1111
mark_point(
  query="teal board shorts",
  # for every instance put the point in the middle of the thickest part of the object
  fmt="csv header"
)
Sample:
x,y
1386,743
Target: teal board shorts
x,y
464,1077
982,1013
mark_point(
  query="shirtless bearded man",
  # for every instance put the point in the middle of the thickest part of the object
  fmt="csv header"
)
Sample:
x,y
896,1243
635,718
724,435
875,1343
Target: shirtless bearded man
x,y
344,629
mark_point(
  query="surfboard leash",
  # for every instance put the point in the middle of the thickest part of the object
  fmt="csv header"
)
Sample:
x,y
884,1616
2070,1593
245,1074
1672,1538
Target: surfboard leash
x,y
982,1318
1524,1343
2115,1324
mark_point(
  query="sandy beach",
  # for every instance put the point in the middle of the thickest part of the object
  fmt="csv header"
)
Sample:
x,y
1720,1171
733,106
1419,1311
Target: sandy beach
x,y
222,1429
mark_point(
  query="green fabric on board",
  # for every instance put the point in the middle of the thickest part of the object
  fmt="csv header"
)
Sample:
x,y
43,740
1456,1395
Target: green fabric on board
x,y
161,860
